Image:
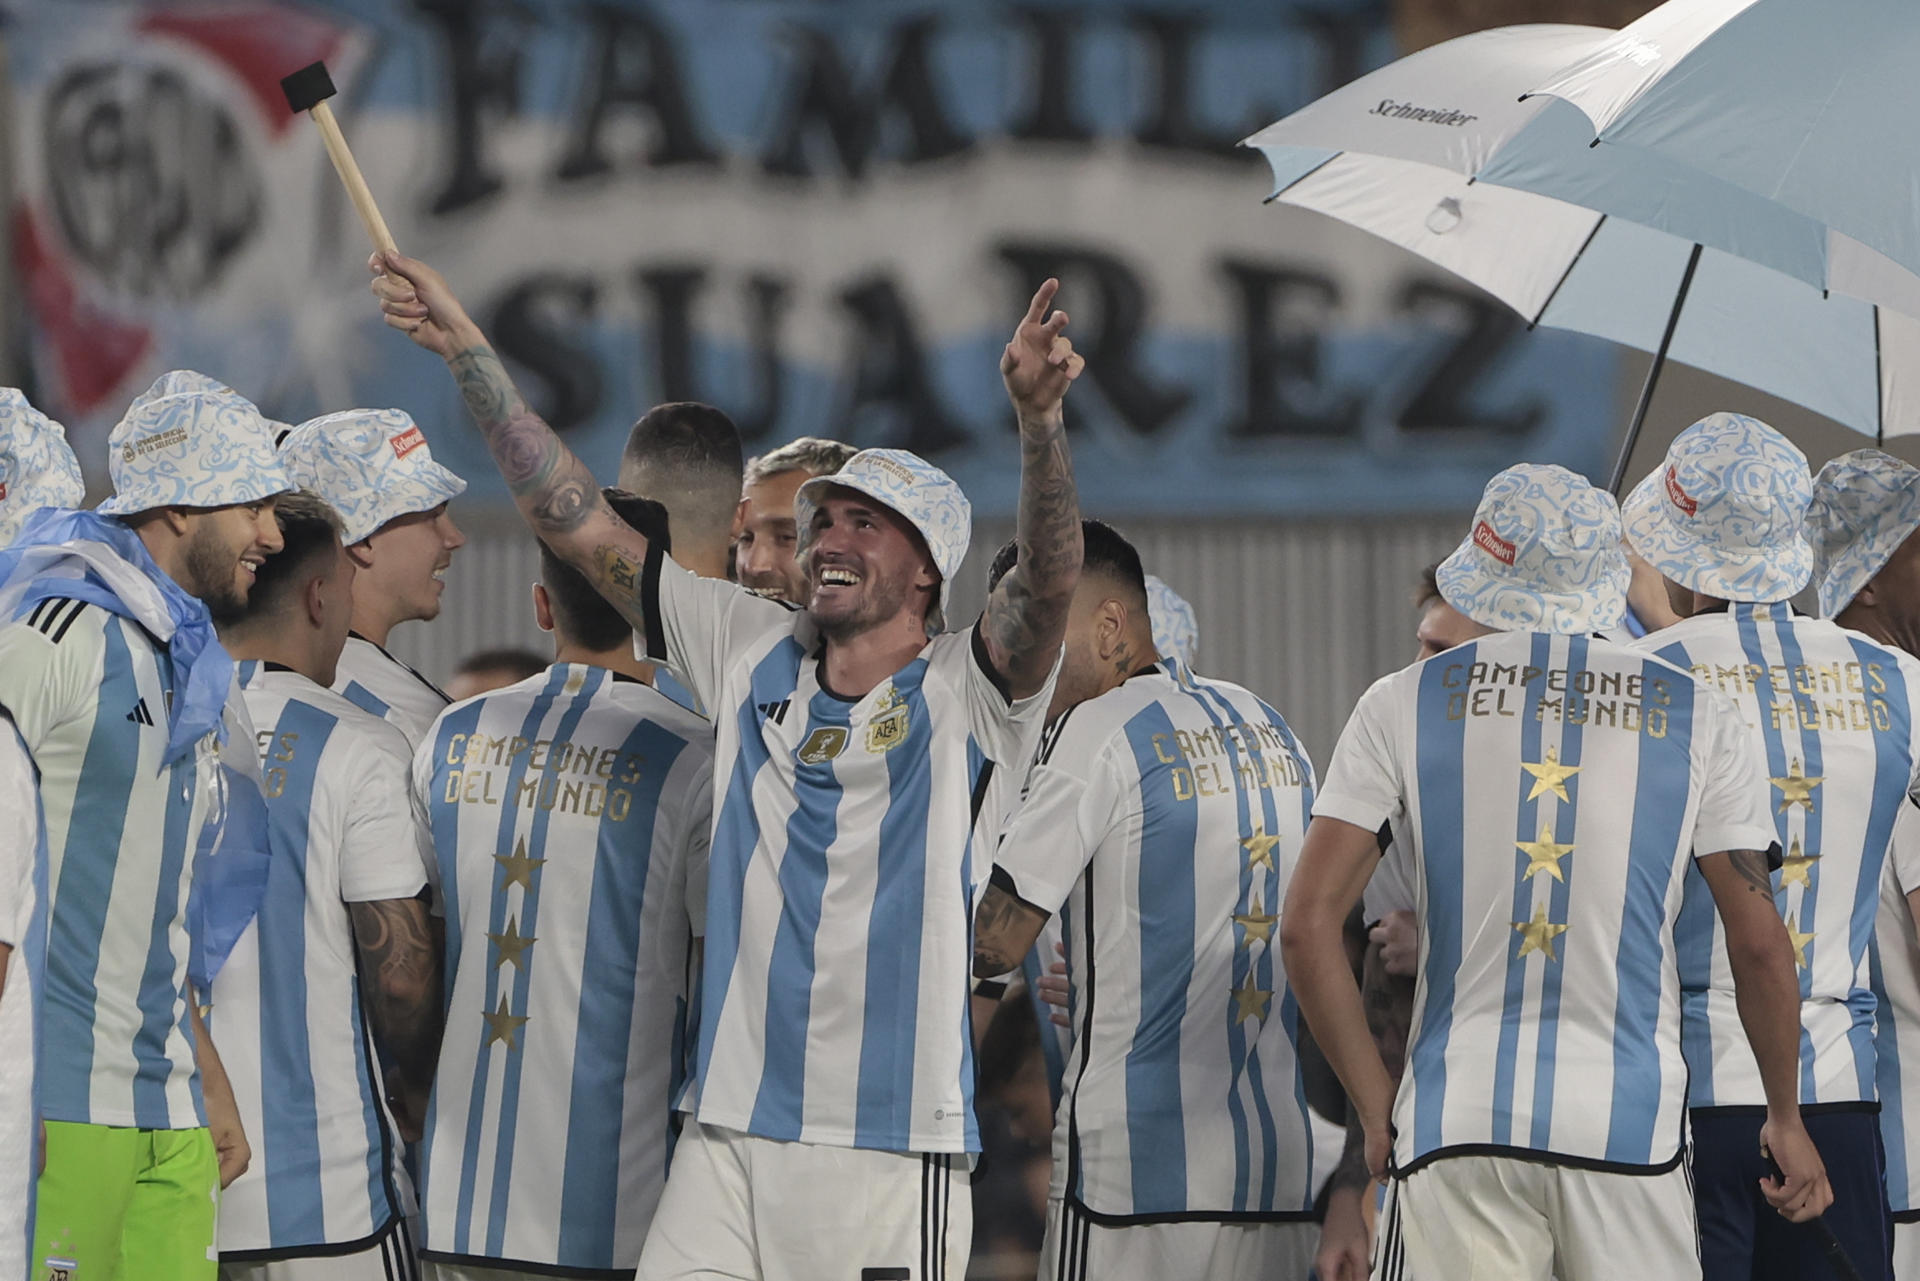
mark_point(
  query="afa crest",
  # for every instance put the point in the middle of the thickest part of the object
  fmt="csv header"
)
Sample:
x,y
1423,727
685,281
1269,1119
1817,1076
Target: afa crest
x,y
891,722
822,745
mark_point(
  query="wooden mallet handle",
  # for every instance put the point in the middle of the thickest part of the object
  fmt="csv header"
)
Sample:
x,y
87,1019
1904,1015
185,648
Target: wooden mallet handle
x,y
307,90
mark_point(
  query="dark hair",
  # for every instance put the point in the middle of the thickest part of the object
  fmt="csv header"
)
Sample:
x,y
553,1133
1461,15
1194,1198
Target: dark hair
x,y
522,663
1428,592
580,614
308,528
685,436
1105,551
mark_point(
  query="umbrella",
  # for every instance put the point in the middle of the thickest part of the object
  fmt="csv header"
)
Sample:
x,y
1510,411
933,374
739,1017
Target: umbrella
x,y
1653,255
1810,103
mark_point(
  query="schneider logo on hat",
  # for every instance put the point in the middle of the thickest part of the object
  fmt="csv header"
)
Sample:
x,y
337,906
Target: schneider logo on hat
x,y
1678,496
406,442
1492,544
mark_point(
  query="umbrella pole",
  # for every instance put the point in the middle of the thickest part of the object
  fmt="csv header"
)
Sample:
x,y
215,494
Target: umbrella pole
x,y
1653,377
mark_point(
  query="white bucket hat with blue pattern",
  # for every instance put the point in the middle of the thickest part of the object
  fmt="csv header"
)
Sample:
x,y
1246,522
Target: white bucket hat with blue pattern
x,y
37,468
921,493
1725,512
371,465
189,441
1865,504
1175,633
1543,555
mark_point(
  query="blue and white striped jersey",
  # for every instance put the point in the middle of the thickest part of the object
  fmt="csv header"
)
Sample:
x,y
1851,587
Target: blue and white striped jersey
x,y
1549,791
1895,958
287,1008
23,929
1832,713
375,681
89,691
850,837
1169,812
569,818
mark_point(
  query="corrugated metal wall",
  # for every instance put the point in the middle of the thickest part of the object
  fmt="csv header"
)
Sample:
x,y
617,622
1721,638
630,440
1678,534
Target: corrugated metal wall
x,y
1307,615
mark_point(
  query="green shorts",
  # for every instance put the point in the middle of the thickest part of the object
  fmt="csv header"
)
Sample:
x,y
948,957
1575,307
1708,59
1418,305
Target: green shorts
x,y
120,1204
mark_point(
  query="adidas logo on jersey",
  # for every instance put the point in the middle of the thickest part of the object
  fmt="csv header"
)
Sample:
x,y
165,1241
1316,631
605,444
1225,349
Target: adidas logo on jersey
x,y
775,712
140,715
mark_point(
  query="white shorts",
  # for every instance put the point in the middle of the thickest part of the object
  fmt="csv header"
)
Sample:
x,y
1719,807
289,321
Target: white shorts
x,y
391,1258
1906,1252
431,1271
1078,1249
742,1208
1494,1218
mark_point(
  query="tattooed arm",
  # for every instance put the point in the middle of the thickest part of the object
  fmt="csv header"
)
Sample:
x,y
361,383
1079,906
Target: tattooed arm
x,y
1027,614
553,488
400,980
1004,929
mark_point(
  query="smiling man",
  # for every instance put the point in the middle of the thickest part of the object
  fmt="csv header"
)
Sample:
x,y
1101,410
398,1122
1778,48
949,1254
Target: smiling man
x,y
373,466
870,759
110,669
766,539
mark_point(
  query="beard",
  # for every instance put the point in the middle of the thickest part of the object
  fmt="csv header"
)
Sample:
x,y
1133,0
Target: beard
x,y
212,570
878,602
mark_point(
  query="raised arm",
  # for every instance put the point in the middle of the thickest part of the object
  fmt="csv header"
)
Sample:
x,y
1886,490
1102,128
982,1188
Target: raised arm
x,y
553,488
1027,614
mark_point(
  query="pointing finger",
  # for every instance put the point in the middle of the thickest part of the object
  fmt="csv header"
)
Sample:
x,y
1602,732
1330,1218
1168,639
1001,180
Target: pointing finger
x,y
1043,296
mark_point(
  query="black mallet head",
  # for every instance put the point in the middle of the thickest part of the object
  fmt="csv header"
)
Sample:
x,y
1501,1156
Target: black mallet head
x,y
307,88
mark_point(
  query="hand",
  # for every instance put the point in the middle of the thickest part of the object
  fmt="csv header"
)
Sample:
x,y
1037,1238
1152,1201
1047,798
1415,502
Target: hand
x,y
1398,935
229,1137
1804,1192
1379,1149
1055,989
415,299
1039,364
1345,1252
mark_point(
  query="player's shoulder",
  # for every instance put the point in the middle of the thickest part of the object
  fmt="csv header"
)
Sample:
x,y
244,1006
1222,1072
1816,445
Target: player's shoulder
x,y
68,623
356,728
1638,652
642,702
1866,648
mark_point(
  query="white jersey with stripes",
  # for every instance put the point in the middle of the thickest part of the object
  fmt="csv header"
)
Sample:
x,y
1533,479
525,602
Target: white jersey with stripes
x,y
850,838
1550,793
1832,714
1162,823
288,1006
376,682
569,816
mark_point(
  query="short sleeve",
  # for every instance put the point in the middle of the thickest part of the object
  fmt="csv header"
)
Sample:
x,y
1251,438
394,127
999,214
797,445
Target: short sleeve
x,y
693,624
384,852
19,837
1007,729
1363,783
1072,803
46,683
1733,812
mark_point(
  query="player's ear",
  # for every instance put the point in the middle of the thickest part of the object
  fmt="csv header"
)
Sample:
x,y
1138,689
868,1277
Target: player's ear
x,y
1866,594
316,600
542,608
361,553
739,518
1109,626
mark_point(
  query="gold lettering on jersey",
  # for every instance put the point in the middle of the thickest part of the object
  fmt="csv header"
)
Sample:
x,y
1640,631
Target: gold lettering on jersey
x,y
1807,696
1630,701
823,745
1223,760
890,723
275,747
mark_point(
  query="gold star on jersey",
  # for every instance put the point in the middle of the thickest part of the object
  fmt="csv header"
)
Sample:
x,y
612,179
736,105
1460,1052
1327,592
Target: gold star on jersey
x,y
1797,866
1256,925
516,868
511,947
1550,776
1538,934
503,1026
1260,848
1250,1002
1797,787
1544,855
1799,940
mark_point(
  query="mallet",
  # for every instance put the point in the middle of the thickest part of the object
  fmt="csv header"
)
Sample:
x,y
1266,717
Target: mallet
x,y
308,90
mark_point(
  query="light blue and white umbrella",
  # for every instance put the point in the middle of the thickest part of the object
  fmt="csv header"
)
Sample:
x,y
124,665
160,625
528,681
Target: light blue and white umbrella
x,y
1437,153
1809,103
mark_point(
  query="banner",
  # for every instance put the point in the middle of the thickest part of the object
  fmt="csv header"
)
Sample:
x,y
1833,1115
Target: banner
x,y
823,217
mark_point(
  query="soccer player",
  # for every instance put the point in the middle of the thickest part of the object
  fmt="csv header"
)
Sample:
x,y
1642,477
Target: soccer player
x,y
766,540
37,469
1543,1102
869,759
1162,820
373,466
111,671
570,817
1830,713
1863,522
23,943
339,957
686,457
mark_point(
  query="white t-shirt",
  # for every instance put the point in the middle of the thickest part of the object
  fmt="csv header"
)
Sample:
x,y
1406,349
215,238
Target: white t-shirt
x,y
850,838
23,869
1549,791
376,682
